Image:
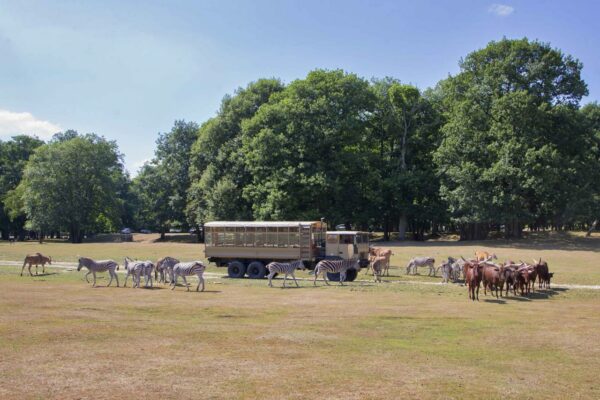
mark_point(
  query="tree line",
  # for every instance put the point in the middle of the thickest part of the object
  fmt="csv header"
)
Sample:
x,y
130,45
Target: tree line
x,y
503,145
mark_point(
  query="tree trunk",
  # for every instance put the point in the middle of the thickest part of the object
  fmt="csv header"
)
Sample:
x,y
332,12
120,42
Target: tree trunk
x,y
473,231
402,226
592,228
163,236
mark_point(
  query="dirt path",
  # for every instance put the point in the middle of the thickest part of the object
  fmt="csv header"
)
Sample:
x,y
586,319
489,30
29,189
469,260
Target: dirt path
x,y
68,267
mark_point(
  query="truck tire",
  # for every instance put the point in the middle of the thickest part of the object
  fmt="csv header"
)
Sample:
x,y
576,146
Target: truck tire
x,y
350,276
236,269
256,270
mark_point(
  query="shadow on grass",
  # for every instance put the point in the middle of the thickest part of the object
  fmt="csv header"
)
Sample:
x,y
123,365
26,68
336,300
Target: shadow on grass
x,y
42,275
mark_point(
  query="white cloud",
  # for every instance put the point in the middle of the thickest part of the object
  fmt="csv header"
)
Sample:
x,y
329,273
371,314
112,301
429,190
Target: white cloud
x,y
502,10
24,123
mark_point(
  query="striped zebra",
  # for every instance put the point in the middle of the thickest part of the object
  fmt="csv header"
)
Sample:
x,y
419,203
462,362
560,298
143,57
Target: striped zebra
x,y
99,266
147,272
135,269
284,268
334,266
187,269
164,268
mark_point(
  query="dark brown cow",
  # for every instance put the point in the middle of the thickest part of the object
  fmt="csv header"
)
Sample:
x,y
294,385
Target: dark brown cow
x,y
473,272
525,277
509,275
541,268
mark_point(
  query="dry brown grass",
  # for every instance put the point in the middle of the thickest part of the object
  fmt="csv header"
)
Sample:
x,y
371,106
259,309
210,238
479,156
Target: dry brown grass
x,y
59,338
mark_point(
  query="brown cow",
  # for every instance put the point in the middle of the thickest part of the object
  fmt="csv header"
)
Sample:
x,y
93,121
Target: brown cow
x,y
36,259
541,268
473,272
492,278
525,276
509,275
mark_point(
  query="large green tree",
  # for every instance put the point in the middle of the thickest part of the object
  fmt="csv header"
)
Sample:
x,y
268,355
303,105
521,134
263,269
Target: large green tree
x,y
71,185
218,172
309,153
14,155
508,138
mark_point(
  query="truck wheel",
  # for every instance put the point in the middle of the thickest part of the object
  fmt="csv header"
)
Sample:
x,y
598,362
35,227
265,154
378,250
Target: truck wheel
x,y
350,276
256,270
236,269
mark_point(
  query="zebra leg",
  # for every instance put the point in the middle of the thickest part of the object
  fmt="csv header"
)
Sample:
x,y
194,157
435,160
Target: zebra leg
x,y
325,278
126,276
86,276
36,268
111,278
294,276
94,273
200,280
284,279
116,277
270,278
316,274
29,269
185,282
174,279
342,278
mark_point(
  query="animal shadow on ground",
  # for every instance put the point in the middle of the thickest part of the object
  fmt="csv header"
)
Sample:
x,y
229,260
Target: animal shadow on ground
x,y
495,301
44,274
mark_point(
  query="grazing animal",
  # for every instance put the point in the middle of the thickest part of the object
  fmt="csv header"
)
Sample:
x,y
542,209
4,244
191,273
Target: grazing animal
x,y
99,266
148,267
484,255
547,280
164,268
334,266
187,269
473,272
457,269
382,252
284,268
542,271
523,279
378,264
416,262
509,276
36,259
492,278
135,269
446,271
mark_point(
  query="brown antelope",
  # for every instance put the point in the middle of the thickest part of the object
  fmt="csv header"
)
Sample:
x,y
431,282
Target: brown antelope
x,y
36,259
484,255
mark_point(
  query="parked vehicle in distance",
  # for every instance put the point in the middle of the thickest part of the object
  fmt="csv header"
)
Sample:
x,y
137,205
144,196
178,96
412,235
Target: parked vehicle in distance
x,y
175,230
246,247
194,230
126,231
146,231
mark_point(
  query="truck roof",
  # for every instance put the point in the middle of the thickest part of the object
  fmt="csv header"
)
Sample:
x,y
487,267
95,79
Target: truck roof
x,y
344,232
258,223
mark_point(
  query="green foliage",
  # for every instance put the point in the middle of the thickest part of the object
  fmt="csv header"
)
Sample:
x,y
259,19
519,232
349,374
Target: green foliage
x,y
308,152
70,184
218,172
511,135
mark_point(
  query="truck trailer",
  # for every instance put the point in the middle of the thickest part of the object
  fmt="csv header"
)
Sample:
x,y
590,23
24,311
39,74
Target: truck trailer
x,y
246,247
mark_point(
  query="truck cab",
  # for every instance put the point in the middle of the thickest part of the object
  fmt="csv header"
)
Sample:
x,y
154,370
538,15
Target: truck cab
x,y
348,245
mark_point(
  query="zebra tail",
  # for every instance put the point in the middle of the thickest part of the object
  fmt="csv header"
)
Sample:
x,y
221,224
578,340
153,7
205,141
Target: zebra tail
x,y
312,272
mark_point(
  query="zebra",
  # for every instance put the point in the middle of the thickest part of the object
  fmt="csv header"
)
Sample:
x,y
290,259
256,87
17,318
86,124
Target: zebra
x,y
187,269
284,268
135,269
147,272
334,266
99,266
421,262
164,268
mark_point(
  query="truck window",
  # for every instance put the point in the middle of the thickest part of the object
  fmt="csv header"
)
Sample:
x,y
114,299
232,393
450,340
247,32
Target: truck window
x,y
260,236
332,239
282,237
294,237
208,239
249,238
346,239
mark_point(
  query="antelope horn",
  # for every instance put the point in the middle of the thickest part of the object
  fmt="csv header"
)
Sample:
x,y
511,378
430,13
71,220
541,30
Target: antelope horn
x,y
539,262
535,261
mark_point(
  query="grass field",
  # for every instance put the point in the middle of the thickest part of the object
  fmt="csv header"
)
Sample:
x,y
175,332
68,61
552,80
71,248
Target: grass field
x,y
60,338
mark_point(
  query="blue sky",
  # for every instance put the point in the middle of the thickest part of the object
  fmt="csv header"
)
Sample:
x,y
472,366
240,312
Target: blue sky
x,y
127,70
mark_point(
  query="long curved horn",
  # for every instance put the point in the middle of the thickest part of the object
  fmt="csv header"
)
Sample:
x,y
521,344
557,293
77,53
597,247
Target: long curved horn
x,y
539,262
535,261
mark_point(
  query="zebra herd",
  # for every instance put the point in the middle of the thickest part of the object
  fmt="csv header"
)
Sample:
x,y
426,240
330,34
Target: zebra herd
x,y
323,267
168,268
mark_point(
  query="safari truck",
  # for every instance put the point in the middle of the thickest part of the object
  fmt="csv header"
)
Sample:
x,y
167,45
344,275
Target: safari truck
x,y
245,248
